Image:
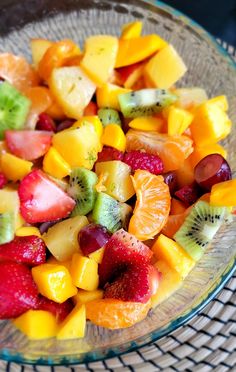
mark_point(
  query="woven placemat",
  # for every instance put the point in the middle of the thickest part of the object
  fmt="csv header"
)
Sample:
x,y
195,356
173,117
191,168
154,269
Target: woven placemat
x,y
206,343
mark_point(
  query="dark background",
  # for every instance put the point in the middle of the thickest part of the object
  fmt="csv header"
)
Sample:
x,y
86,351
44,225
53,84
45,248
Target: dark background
x,y
217,16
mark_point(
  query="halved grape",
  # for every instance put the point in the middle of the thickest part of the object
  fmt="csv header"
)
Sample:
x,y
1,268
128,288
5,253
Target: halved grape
x,y
92,237
171,180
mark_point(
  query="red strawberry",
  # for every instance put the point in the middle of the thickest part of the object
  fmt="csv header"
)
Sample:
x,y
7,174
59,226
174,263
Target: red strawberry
x,y
3,180
30,250
18,292
109,153
45,122
122,250
42,200
137,284
188,194
28,144
59,310
91,109
142,160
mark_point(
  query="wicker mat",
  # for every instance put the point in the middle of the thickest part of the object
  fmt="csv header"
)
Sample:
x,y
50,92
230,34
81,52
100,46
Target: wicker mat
x,y
206,343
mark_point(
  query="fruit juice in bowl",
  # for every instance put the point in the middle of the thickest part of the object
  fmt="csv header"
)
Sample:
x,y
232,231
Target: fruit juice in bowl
x,y
116,183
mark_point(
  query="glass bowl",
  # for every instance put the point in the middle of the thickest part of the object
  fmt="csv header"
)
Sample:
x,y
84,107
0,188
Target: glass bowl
x,y
208,67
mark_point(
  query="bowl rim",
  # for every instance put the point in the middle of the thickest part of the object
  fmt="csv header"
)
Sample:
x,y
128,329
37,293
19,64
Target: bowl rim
x,y
216,287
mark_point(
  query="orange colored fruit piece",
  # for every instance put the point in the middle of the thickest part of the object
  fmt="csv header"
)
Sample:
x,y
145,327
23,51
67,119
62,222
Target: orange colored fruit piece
x,y
17,71
185,174
177,207
171,149
200,152
174,222
152,206
56,56
41,100
116,314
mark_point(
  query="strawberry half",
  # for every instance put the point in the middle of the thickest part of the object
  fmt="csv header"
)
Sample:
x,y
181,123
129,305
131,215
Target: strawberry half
x,y
28,144
18,292
59,310
109,153
42,200
30,250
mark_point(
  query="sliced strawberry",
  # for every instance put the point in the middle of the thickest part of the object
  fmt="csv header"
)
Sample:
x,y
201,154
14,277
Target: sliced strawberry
x,y
42,200
121,250
109,153
59,310
28,144
91,109
18,292
142,160
137,284
3,180
30,250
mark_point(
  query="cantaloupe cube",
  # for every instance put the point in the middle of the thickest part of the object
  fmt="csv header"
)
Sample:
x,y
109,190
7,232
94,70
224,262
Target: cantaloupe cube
x,y
38,49
107,96
74,324
83,296
165,68
169,283
200,152
178,120
131,30
84,272
224,194
173,254
37,324
97,255
15,168
55,165
28,231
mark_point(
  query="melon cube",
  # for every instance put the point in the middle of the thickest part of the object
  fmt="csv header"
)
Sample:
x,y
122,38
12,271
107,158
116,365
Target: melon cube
x,y
37,324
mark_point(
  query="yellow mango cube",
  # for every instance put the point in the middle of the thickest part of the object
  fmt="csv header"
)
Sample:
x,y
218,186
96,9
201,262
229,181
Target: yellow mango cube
x,y
97,256
178,120
221,102
224,194
114,136
147,123
74,325
54,261
83,296
84,272
107,96
28,231
165,68
131,30
54,282
55,165
200,152
137,49
15,168
94,120
173,254
37,324
169,283
100,57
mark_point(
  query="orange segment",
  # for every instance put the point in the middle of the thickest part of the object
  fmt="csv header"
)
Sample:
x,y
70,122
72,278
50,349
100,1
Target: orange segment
x,y
41,100
115,314
152,206
171,149
174,222
17,71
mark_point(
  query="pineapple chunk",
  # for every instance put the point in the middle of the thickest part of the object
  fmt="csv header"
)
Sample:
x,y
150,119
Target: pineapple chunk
x,y
84,272
190,97
112,171
37,324
15,168
61,239
74,324
94,120
72,89
221,102
165,68
107,96
131,30
100,57
83,296
38,49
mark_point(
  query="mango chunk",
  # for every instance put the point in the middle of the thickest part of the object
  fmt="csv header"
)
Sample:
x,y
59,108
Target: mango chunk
x,y
55,165
131,30
173,254
27,231
169,283
165,68
178,120
37,324
15,168
84,272
94,120
147,123
107,96
114,136
200,152
100,57
54,261
74,325
221,102
83,296
97,256
135,50
54,282
224,194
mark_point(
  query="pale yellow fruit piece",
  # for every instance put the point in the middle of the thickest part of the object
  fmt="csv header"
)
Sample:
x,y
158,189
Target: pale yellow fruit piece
x,y
190,97
178,120
38,49
131,30
28,231
84,272
54,261
74,325
83,296
9,202
107,96
147,123
97,255
37,324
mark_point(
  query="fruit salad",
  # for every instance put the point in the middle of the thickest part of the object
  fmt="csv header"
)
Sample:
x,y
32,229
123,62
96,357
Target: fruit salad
x,y
113,182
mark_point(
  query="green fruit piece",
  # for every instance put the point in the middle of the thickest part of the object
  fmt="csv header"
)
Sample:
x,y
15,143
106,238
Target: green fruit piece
x,y
109,116
7,227
106,212
14,108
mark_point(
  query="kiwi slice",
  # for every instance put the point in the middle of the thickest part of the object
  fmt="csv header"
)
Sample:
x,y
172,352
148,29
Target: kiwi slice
x,y
82,189
106,212
6,227
200,227
109,116
14,108
145,102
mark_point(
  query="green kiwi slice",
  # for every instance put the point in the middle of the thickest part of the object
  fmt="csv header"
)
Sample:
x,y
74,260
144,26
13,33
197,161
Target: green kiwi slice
x,y
109,116
82,189
106,212
14,108
199,228
6,227
145,102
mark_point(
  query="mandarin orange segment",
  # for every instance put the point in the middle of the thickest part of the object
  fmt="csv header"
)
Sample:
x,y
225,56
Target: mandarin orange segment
x,y
115,314
174,222
17,71
152,206
41,100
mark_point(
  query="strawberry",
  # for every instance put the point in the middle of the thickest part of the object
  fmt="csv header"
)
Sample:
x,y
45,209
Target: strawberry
x,y
59,310
42,200
91,109
136,284
3,180
188,194
109,153
28,144
45,122
29,250
142,160
121,250
18,292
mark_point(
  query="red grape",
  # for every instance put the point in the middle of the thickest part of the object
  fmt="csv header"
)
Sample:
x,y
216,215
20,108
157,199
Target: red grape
x,y
211,170
171,180
65,124
188,194
92,237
